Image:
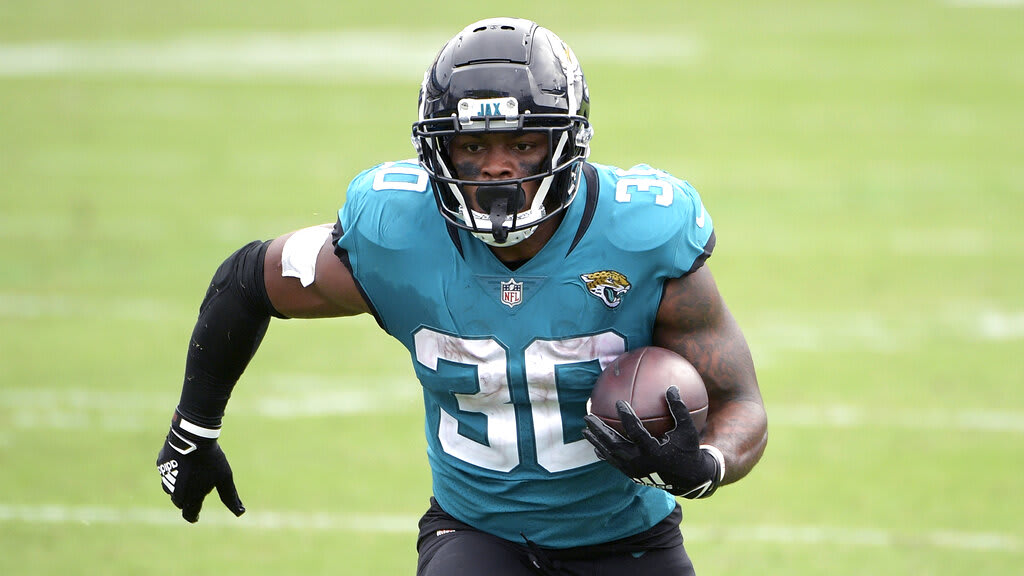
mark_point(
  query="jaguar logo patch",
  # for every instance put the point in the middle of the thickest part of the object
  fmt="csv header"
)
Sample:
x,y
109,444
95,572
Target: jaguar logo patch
x,y
607,285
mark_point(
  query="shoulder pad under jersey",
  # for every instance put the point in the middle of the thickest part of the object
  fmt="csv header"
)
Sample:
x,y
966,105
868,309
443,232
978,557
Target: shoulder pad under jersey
x,y
389,203
650,208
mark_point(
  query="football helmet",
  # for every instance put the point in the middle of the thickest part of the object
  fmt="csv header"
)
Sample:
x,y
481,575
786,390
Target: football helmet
x,y
507,75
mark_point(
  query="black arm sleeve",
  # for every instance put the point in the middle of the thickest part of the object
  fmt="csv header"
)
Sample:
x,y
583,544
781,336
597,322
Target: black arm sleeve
x,y
232,321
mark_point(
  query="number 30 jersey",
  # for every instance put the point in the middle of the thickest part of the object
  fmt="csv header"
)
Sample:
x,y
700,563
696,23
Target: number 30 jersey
x,y
507,358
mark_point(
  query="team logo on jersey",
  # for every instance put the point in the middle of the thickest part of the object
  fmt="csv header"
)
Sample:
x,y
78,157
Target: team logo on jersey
x,y
511,293
608,285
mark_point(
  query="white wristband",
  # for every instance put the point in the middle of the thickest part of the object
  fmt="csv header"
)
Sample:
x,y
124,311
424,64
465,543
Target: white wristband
x,y
717,454
210,433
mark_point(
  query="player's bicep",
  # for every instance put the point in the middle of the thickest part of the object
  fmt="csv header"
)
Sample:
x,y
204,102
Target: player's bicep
x,y
694,321
305,279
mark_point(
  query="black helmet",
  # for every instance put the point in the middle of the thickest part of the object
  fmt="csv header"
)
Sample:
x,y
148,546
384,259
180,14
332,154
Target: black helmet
x,y
504,75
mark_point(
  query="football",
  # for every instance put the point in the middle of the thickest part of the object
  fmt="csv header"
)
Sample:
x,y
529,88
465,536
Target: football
x,y
641,377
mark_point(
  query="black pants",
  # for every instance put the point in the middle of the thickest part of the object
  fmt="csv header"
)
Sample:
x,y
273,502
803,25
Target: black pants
x,y
448,547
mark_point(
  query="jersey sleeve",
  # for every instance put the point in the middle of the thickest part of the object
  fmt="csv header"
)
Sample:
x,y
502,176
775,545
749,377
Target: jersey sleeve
x,y
655,212
697,233
386,203
355,200
387,212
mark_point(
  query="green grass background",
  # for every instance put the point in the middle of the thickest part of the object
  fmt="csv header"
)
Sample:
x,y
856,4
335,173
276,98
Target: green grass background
x,y
862,160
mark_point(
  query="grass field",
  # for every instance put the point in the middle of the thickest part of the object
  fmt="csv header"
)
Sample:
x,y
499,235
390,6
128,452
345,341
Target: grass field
x,y
862,160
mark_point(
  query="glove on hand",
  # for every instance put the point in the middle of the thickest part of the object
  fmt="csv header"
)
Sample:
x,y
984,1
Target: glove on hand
x,y
676,462
191,464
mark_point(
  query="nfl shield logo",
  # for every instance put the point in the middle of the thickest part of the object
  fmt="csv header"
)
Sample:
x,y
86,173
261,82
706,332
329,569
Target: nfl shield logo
x,y
511,293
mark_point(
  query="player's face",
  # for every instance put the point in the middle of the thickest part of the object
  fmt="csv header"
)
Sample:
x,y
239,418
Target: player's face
x,y
499,156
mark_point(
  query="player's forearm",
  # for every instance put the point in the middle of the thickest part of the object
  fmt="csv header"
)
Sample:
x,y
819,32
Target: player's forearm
x,y
739,428
233,319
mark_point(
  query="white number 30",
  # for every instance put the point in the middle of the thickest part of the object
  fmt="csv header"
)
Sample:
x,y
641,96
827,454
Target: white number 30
x,y
494,398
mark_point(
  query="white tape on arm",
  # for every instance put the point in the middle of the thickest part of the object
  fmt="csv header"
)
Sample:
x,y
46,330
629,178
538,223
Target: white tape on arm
x,y
300,251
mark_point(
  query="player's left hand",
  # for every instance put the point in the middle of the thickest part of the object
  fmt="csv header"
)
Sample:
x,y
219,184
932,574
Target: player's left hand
x,y
676,462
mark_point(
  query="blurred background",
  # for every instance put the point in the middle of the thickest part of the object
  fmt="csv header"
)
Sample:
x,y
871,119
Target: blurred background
x,y
862,161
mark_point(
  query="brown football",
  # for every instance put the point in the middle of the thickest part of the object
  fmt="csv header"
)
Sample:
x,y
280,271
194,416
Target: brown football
x,y
641,377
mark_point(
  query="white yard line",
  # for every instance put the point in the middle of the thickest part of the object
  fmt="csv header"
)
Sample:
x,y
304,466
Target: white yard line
x,y
849,416
93,515
773,333
768,331
868,537
993,325
329,56
316,397
69,306
406,524
341,56
985,3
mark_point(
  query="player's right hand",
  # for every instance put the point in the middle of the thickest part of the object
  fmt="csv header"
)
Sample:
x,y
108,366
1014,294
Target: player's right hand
x,y
676,462
191,466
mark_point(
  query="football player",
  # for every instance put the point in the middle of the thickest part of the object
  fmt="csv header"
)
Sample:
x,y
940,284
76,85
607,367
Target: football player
x,y
514,271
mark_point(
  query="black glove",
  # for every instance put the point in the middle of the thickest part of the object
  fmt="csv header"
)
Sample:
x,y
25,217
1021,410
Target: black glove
x,y
676,462
191,466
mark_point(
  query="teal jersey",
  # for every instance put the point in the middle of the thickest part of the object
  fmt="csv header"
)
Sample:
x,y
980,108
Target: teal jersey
x,y
507,358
